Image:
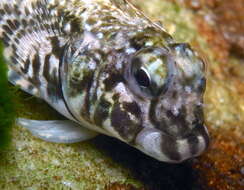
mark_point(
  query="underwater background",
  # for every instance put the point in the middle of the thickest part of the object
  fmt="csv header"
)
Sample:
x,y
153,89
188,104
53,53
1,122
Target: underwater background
x,y
215,28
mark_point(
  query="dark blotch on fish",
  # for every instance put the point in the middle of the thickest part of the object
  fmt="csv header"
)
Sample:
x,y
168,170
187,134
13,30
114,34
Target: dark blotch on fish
x,y
112,81
102,111
85,111
169,148
122,123
132,108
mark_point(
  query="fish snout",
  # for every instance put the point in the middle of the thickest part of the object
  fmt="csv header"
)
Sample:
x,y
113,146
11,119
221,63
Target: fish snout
x,y
167,148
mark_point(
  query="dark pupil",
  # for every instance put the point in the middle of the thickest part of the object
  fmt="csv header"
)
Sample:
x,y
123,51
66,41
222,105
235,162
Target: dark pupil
x,y
142,78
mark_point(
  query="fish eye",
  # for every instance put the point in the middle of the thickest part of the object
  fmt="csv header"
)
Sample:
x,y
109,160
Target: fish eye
x,y
142,77
147,72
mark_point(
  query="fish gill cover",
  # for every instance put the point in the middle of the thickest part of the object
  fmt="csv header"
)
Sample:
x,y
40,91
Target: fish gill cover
x,y
7,111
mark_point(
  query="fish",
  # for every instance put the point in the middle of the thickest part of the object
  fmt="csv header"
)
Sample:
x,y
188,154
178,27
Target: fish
x,y
109,69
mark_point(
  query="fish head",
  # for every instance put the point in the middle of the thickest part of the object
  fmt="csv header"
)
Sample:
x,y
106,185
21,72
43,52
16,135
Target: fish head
x,y
150,98
170,83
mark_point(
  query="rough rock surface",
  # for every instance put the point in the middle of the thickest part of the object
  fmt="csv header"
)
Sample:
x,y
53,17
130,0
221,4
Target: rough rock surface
x,y
226,19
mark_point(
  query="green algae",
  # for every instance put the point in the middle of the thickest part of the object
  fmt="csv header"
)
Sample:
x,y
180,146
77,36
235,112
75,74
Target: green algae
x,y
7,111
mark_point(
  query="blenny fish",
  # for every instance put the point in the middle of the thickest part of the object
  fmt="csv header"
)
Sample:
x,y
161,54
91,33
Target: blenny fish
x,y
108,69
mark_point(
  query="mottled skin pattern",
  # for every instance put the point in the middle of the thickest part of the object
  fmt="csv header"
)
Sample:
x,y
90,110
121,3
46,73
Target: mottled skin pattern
x,y
105,65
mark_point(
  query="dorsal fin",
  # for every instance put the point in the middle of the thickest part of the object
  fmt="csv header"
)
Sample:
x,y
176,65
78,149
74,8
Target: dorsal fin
x,y
123,4
127,7
133,11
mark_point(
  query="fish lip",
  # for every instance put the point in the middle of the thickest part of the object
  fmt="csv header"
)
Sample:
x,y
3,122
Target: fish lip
x,y
167,148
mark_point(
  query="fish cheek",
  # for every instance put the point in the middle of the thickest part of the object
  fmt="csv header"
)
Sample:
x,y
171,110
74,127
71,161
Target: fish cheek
x,y
125,123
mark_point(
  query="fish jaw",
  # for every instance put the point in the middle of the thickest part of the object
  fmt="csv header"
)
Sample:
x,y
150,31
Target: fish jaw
x,y
166,148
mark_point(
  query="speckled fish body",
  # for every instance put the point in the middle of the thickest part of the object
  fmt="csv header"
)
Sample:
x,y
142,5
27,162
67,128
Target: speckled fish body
x,y
104,65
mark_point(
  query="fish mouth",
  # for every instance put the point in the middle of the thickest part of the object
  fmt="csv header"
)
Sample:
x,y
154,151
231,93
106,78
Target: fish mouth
x,y
167,148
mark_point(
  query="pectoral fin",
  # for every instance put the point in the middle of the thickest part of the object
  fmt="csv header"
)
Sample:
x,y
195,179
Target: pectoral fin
x,y
58,131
